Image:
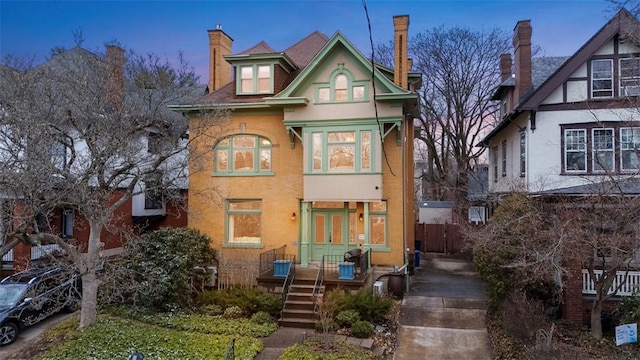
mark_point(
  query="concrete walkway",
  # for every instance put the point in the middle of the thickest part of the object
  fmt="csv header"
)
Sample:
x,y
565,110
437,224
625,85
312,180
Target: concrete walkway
x,y
443,314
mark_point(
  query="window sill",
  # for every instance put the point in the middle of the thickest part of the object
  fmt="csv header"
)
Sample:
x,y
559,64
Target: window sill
x,y
239,173
242,246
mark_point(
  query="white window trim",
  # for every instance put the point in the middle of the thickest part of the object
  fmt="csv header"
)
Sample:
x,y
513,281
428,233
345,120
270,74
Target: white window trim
x,y
565,151
592,79
594,151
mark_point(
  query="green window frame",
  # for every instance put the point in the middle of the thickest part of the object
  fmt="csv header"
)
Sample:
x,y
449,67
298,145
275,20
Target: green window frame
x,y
243,155
243,223
254,79
341,150
378,229
341,87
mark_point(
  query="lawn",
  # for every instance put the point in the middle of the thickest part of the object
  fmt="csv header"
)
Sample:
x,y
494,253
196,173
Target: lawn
x,y
155,336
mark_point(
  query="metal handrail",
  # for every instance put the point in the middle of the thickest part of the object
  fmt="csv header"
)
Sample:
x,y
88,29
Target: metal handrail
x,y
291,275
317,285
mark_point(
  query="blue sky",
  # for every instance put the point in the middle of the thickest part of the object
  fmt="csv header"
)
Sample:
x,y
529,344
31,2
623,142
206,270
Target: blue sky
x,y
30,29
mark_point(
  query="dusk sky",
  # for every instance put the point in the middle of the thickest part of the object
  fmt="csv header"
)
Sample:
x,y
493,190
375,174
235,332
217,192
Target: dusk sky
x,y
30,29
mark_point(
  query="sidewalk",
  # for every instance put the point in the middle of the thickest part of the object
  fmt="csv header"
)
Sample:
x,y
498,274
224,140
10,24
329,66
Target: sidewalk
x,y
443,315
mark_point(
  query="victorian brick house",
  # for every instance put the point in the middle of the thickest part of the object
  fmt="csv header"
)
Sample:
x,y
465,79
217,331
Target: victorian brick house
x,y
317,157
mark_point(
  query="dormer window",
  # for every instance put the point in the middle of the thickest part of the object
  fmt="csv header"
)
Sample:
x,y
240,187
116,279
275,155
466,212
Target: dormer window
x,y
255,79
341,88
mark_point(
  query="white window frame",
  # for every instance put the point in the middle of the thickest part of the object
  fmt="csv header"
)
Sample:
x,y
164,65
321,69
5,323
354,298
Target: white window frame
x,y
576,147
598,150
601,77
523,152
629,147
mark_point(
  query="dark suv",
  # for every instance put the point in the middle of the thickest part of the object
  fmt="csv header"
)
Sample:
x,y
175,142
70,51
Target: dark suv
x,y
31,296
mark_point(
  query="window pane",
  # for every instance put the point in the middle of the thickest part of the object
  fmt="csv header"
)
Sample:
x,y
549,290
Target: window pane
x,y
630,148
603,149
358,92
222,159
630,77
265,159
341,157
244,205
317,151
244,228
246,79
378,206
264,71
264,79
242,160
341,87
319,229
342,136
244,142
366,149
602,78
336,229
575,150
377,229
323,94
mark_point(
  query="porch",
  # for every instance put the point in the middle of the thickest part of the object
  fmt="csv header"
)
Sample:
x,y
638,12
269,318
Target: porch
x,y
629,287
331,272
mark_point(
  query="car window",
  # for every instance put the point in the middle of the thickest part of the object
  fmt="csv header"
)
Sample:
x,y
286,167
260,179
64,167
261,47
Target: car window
x,y
10,294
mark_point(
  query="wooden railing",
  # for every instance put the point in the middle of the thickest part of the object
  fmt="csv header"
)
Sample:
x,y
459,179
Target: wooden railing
x,y
630,286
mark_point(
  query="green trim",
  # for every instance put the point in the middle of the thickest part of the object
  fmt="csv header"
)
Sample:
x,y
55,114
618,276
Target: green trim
x,y
256,150
280,58
396,97
372,129
300,100
243,246
255,70
231,106
226,242
353,122
382,82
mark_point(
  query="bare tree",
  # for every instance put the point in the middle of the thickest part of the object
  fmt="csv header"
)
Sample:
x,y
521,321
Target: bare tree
x,y
460,71
550,238
75,134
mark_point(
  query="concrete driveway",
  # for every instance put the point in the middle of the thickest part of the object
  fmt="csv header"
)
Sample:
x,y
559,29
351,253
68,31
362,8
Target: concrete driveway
x,y
28,336
443,315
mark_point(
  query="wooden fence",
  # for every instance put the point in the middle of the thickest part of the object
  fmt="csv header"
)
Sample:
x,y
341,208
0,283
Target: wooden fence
x,y
439,238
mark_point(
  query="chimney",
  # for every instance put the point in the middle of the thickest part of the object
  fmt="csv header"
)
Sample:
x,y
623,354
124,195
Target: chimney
x,y
115,76
522,58
505,66
219,69
400,45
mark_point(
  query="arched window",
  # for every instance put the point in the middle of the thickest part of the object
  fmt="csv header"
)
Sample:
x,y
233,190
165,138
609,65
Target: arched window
x,y
341,87
243,155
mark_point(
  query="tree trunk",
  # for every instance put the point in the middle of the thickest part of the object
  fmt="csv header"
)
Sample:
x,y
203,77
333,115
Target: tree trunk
x,y
88,313
596,318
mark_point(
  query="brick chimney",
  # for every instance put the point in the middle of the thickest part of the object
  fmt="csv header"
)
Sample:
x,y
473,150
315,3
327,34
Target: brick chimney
x,y
219,69
522,58
505,66
400,44
115,76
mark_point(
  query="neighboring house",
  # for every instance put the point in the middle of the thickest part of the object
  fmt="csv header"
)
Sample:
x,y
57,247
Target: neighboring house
x,y
145,210
568,123
318,157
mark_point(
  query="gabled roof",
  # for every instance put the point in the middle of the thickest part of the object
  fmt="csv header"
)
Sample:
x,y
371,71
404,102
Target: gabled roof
x,y
622,20
394,92
260,48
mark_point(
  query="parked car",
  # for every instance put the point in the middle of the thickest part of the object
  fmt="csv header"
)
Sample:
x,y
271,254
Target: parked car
x,y
30,296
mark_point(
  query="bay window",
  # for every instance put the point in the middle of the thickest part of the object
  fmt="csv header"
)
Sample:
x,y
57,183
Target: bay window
x,y
341,151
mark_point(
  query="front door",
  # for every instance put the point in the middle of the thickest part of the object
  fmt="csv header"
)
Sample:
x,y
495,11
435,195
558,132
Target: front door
x,y
329,234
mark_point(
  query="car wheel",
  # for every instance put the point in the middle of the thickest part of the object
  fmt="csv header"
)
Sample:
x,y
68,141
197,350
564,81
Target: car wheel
x,y
8,333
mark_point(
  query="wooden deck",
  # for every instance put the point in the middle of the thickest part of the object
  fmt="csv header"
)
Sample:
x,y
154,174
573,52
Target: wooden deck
x,y
331,278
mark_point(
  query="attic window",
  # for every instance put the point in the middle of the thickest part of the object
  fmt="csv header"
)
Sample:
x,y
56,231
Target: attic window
x,y
341,88
630,77
602,78
255,79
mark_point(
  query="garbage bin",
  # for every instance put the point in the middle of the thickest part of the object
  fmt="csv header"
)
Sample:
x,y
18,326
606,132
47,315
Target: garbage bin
x,y
395,285
417,258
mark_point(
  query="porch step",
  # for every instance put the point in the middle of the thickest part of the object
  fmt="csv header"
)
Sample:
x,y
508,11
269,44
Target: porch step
x,y
297,323
298,314
297,310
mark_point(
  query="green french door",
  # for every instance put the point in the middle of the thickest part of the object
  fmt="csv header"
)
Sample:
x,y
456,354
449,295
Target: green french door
x,y
329,234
